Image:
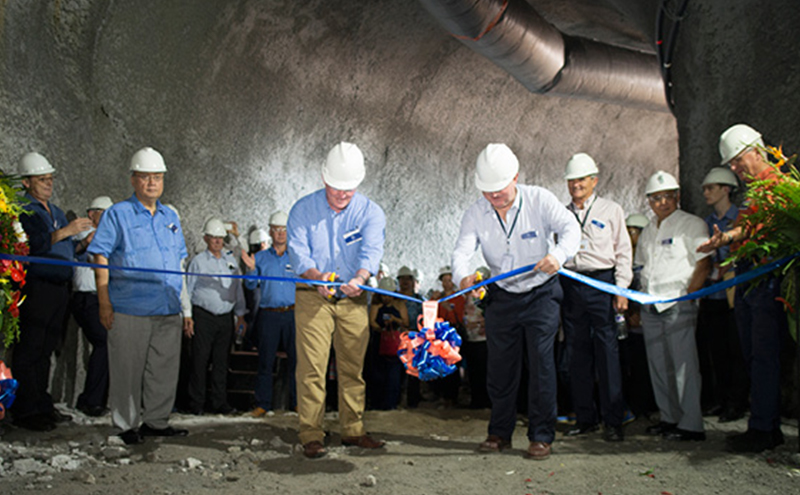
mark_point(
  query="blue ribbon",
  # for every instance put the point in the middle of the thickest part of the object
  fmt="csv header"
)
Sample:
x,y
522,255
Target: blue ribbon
x,y
640,297
60,262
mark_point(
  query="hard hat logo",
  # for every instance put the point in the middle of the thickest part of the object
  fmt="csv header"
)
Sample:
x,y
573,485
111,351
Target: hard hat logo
x,y
495,168
661,181
344,167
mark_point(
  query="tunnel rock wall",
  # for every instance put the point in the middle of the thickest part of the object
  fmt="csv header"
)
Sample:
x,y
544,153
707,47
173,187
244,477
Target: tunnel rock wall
x,y
245,98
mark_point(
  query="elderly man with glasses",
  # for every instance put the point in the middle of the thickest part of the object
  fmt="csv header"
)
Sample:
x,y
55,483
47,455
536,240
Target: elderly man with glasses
x,y
672,267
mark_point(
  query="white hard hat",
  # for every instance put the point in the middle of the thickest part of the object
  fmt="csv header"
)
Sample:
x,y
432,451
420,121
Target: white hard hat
x,y
279,219
637,220
445,270
736,139
215,228
258,236
387,283
147,160
344,168
721,175
405,271
579,166
495,168
661,181
101,203
34,164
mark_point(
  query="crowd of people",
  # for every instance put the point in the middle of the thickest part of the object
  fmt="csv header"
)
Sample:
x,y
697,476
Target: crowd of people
x,y
538,344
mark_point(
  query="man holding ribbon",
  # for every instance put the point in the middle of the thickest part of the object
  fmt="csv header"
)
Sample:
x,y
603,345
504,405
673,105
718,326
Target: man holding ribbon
x,y
587,313
759,315
514,226
141,309
46,295
334,233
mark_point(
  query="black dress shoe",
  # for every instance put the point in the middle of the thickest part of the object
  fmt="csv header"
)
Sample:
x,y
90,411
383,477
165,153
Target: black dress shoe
x,y
37,422
613,434
581,429
685,435
169,431
662,428
131,437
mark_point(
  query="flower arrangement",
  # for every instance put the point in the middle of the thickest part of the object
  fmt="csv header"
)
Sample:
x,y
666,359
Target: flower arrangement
x,y
773,223
12,275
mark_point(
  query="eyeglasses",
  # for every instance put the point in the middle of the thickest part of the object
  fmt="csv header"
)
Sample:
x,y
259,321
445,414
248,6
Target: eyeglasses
x,y
657,198
277,228
150,177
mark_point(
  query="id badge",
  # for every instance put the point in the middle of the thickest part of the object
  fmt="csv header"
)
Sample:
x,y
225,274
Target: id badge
x,y
584,244
508,263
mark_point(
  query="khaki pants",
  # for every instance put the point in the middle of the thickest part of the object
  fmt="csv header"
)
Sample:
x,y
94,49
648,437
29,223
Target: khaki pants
x,y
318,322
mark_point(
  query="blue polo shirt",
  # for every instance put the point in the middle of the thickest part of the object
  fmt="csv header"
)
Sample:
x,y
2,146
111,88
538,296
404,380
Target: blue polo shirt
x,y
340,242
268,264
128,235
39,226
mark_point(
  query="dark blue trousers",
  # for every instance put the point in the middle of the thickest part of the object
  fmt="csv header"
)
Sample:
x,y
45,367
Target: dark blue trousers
x,y
587,316
762,325
41,328
274,328
518,324
85,310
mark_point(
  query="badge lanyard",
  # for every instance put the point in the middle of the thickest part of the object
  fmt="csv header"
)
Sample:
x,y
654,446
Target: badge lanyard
x,y
513,224
586,217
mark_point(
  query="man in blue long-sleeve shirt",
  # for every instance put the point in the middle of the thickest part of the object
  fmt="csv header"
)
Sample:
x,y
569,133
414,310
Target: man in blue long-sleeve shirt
x,y
46,295
334,231
274,322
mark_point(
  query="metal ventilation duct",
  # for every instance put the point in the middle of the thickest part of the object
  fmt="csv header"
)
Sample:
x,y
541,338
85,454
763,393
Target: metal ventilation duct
x,y
515,37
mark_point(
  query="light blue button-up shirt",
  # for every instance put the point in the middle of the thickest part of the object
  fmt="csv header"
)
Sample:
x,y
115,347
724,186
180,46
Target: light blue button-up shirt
x,y
508,246
128,235
217,295
341,242
268,264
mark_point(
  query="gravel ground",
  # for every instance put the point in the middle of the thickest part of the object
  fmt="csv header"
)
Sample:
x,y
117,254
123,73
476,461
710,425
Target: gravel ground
x,y
429,451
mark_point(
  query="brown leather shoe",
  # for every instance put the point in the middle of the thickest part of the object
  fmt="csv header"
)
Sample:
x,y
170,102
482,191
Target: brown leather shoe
x,y
539,451
364,441
314,450
493,443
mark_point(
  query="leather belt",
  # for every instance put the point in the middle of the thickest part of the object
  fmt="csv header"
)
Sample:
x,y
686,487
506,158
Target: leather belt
x,y
281,309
